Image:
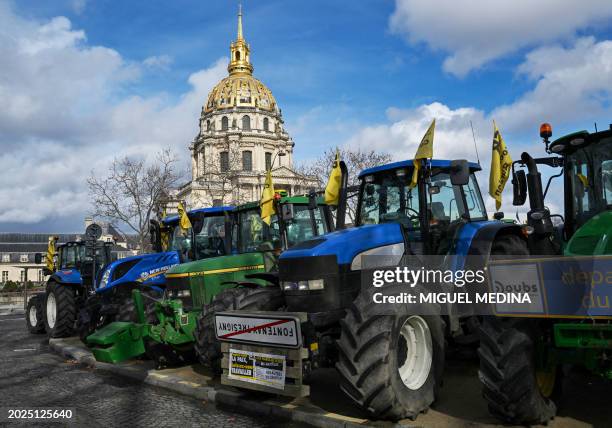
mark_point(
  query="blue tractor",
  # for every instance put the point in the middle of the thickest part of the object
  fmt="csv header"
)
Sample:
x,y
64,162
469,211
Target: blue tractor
x,y
70,280
389,364
73,305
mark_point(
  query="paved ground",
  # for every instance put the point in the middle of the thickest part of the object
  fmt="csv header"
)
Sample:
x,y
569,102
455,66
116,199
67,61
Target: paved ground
x,y
32,376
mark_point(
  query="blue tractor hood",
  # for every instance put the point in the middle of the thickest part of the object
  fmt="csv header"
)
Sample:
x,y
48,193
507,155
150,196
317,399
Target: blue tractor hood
x,y
347,243
146,269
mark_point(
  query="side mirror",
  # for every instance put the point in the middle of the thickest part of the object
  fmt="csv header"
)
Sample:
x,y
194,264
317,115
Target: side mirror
x,y
38,258
369,188
460,172
287,212
519,187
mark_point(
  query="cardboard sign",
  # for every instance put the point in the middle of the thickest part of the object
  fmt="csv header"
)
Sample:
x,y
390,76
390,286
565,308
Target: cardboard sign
x,y
255,367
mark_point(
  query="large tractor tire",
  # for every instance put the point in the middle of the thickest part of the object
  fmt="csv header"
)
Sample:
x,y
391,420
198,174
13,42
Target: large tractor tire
x,y
207,347
390,365
60,310
34,314
516,390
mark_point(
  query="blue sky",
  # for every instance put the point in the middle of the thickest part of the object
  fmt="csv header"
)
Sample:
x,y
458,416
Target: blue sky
x,y
89,80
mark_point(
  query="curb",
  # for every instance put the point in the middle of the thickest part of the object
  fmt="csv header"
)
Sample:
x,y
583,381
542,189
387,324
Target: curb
x,y
312,416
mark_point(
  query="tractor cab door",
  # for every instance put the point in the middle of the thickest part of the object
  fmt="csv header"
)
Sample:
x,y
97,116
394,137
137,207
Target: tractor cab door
x,y
450,206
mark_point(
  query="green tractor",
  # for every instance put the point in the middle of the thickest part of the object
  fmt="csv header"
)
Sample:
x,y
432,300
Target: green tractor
x,y
522,355
166,331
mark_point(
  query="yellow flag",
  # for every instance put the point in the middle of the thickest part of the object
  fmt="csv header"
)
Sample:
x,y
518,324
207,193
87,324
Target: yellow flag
x,y
267,199
332,190
425,151
501,164
184,221
51,252
164,235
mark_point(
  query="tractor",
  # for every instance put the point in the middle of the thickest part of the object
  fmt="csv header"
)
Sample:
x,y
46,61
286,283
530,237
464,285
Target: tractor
x,y
112,299
166,333
70,283
390,364
522,356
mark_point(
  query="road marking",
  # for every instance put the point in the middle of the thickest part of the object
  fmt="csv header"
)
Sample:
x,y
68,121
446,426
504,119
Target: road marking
x,y
25,349
13,319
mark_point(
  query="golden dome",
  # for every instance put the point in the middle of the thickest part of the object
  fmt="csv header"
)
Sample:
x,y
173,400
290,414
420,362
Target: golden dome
x,y
240,90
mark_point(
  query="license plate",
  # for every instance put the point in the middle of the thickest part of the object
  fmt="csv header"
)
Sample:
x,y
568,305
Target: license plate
x,y
270,330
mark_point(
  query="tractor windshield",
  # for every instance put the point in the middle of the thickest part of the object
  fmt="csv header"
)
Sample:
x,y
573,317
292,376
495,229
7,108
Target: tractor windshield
x,y
254,234
589,176
305,224
386,197
210,237
180,241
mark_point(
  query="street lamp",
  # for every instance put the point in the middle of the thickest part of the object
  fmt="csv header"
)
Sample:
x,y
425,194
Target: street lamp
x,y
280,153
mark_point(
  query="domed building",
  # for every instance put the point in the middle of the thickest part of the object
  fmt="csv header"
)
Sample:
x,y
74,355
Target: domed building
x,y
241,136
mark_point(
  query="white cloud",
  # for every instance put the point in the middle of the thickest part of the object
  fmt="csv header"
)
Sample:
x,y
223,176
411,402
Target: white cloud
x,y
572,85
475,32
62,117
453,134
78,6
162,62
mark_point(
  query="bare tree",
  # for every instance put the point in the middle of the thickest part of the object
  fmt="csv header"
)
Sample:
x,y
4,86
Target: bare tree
x,y
356,160
133,191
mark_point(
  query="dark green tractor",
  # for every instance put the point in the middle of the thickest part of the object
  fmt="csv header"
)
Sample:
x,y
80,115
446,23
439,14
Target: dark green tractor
x,y
521,356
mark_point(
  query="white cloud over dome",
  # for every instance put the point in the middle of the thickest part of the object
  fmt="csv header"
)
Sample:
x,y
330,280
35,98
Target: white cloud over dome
x,y
473,33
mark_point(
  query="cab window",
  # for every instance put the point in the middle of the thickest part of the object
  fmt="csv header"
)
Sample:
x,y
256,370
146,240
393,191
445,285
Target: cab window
x,y
210,240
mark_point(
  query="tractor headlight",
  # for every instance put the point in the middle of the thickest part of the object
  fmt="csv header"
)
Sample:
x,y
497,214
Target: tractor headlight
x,y
389,255
105,277
310,285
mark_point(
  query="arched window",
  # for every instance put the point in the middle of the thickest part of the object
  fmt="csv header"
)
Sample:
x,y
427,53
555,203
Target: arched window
x,y
246,123
266,124
208,125
224,123
224,161
268,160
247,160
237,55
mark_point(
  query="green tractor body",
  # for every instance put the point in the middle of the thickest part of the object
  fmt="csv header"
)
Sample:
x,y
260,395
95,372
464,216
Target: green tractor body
x,y
167,333
539,347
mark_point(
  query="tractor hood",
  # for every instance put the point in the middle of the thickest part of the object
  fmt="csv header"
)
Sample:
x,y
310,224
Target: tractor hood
x,y
148,269
347,243
592,238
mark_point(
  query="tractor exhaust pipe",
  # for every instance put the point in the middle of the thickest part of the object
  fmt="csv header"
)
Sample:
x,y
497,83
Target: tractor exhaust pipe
x,y
538,216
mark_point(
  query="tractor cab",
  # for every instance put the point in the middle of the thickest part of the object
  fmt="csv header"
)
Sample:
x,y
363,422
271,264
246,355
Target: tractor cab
x,y
429,213
296,219
75,261
587,175
586,162
206,238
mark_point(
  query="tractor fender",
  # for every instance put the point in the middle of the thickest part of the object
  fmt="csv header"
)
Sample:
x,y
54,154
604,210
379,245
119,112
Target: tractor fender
x,y
483,238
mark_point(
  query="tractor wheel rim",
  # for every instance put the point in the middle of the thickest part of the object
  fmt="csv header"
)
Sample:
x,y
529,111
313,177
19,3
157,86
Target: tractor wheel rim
x,y
51,310
415,352
32,316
